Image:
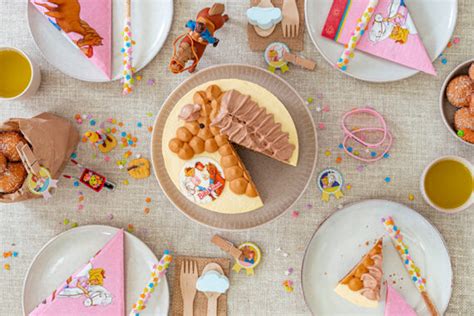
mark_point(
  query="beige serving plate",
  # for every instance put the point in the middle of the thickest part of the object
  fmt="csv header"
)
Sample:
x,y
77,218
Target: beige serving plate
x,y
279,185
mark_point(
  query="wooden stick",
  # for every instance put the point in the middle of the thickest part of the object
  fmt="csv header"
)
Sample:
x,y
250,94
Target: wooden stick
x,y
429,303
300,61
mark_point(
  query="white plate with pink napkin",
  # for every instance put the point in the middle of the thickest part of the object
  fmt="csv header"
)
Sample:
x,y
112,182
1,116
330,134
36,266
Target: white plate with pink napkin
x,y
398,29
345,236
91,29
72,250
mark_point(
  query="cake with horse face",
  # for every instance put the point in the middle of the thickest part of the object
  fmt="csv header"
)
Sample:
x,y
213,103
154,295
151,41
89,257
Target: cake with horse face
x,y
200,135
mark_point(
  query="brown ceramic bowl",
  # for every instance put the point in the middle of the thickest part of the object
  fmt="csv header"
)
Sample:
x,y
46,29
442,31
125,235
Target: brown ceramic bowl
x,y
448,110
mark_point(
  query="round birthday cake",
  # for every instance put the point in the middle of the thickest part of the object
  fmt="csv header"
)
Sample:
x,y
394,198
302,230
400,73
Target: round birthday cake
x,y
200,134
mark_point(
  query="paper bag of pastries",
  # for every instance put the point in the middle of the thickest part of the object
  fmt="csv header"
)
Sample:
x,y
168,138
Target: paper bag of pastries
x,y
52,140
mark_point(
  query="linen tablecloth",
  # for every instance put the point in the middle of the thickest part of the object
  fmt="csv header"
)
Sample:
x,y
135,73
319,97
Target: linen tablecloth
x,y
410,107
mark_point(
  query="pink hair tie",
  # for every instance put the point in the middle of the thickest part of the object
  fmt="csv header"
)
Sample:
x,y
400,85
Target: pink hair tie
x,y
348,134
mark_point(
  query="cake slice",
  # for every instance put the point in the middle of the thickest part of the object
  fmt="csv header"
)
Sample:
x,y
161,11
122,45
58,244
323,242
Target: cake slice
x,y
87,24
95,289
395,304
361,286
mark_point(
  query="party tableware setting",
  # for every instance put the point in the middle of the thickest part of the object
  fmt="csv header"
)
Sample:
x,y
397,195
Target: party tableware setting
x,y
303,190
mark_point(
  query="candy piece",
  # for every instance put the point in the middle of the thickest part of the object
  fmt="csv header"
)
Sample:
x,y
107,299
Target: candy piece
x,y
459,91
139,168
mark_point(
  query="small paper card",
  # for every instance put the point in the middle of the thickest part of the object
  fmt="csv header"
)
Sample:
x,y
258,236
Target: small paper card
x,y
86,23
391,33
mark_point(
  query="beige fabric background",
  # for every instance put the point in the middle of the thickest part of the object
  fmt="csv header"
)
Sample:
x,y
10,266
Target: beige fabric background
x,y
410,106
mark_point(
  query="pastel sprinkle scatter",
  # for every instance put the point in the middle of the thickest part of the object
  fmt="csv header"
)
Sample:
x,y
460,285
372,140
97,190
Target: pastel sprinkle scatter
x,y
309,206
386,155
130,228
288,286
15,254
125,182
411,197
148,200
92,122
146,210
348,186
387,179
456,40
74,155
295,214
76,183
110,216
339,159
341,146
66,221
151,82
289,271
139,124
74,225
327,153
6,266
321,126
360,168
309,100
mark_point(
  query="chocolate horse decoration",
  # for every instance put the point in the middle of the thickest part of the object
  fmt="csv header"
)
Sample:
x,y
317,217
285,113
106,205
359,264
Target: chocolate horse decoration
x,y
194,42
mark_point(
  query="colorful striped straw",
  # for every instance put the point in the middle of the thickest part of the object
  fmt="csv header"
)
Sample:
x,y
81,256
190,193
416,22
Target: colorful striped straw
x,y
356,34
157,274
127,51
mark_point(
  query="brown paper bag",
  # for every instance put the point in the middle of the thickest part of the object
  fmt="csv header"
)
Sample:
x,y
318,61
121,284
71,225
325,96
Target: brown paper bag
x,y
52,139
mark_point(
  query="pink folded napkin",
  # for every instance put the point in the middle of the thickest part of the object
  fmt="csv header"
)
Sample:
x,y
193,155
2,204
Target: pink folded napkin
x,y
95,289
395,304
86,23
391,33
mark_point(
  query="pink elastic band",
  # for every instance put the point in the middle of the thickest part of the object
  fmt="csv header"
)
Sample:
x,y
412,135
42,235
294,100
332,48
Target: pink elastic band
x,y
387,136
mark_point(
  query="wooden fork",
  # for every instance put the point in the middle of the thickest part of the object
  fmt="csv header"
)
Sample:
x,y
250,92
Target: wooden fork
x,y
187,283
291,19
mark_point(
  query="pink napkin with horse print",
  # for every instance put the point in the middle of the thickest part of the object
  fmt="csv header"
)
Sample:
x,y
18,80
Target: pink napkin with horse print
x,y
391,33
87,24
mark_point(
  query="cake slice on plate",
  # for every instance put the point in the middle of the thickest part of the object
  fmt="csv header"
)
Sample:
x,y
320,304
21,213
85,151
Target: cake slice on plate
x,y
87,24
395,304
95,289
361,286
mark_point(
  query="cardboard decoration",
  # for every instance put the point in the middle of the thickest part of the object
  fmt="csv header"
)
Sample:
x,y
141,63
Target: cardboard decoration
x,y
52,140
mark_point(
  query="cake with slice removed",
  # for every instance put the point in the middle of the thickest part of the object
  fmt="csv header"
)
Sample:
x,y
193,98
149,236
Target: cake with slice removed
x,y
200,156
95,289
395,304
361,286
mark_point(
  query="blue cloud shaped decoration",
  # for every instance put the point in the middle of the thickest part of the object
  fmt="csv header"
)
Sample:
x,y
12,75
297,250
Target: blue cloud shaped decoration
x,y
264,18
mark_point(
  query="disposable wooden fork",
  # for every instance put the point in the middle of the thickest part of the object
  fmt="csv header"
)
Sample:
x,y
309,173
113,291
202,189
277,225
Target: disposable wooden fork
x,y
291,19
187,283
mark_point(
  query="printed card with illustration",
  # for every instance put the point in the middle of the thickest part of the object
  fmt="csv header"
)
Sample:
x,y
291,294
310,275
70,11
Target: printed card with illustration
x,y
96,289
86,23
391,33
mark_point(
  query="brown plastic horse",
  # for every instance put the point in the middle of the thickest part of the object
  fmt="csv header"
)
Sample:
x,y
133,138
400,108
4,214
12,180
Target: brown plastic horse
x,y
191,48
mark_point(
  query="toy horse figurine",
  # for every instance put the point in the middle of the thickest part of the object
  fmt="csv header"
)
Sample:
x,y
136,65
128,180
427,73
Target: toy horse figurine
x,y
194,42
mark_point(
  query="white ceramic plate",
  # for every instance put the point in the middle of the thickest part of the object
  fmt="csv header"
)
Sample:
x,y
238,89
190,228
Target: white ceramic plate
x,y
65,253
434,19
151,22
340,242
